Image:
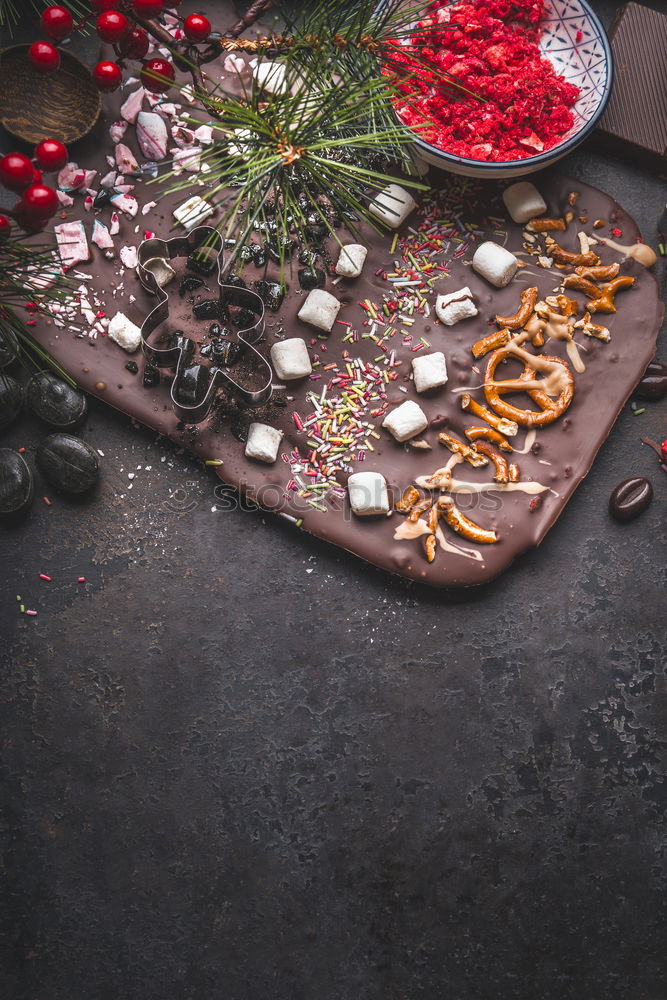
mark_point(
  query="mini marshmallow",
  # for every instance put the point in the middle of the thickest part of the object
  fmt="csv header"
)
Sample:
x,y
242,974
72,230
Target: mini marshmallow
x,y
126,333
351,261
368,493
495,263
192,212
161,270
290,359
455,306
392,205
406,421
430,371
263,442
523,201
270,76
320,309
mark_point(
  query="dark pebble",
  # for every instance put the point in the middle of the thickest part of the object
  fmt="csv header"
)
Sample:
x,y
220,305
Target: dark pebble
x,y
653,385
68,463
16,483
630,498
54,401
11,400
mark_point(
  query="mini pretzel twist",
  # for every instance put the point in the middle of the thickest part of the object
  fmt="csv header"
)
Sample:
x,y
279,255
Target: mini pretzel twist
x,y
603,273
461,448
500,463
561,256
464,526
551,408
544,225
476,433
604,302
507,427
523,313
490,343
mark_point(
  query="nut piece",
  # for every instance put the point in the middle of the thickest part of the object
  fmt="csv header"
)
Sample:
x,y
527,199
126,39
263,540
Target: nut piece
x,y
477,433
464,526
514,474
461,448
522,315
593,329
508,427
561,256
418,510
430,543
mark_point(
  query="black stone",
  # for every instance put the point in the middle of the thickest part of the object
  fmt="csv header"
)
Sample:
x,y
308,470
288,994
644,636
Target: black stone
x,y
55,402
16,483
11,400
68,463
9,347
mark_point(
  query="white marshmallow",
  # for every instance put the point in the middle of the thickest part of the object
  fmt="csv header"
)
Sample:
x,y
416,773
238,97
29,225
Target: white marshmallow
x,y
393,205
351,261
495,263
270,76
263,442
290,359
406,421
455,306
126,333
430,371
523,201
162,271
320,309
192,212
368,493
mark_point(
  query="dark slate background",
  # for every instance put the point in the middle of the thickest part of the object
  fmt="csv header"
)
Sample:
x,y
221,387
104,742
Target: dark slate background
x,y
238,763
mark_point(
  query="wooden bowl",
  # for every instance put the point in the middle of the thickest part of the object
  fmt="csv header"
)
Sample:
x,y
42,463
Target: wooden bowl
x,y
33,106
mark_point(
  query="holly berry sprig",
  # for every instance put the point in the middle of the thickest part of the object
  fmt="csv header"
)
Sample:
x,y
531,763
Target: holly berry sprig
x,y
38,202
125,25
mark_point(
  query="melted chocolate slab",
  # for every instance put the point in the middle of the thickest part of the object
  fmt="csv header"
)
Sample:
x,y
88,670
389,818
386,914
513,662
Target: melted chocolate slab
x,y
558,458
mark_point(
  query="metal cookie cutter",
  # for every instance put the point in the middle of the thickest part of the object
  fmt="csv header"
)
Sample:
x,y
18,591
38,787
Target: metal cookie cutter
x,y
194,387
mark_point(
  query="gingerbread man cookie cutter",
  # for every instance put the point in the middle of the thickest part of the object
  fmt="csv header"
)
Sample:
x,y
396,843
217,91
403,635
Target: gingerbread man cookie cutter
x,y
194,387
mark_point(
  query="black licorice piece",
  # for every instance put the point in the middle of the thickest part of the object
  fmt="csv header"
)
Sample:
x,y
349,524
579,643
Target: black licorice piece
x,y
191,385
653,385
208,309
68,463
630,498
11,400
271,293
311,277
16,483
55,402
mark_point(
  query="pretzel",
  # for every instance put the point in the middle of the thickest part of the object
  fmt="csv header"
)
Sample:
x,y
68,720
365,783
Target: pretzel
x,y
566,306
508,427
502,470
408,500
441,479
551,408
475,433
464,526
580,284
544,224
593,329
604,302
523,313
602,273
561,256
494,340
514,474
417,510
461,448
430,543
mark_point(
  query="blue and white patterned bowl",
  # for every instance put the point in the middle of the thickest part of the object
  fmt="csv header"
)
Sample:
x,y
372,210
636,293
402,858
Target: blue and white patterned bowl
x,y
586,63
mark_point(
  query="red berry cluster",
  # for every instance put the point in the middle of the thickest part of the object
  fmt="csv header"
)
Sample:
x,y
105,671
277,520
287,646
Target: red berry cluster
x,y
129,40
38,202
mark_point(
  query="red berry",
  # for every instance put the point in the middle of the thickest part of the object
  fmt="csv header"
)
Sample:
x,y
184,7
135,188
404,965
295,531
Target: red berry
x,y
5,228
57,23
44,57
197,27
37,176
107,76
135,44
51,154
157,75
148,8
101,5
16,171
39,201
29,223
112,26
663,449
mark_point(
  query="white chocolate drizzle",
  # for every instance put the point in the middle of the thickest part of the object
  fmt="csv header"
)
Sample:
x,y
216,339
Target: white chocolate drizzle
x,y
640,252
